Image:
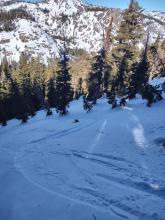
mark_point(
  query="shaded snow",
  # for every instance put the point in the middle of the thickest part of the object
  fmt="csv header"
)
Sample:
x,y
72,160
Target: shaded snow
x,y
109,164
157,81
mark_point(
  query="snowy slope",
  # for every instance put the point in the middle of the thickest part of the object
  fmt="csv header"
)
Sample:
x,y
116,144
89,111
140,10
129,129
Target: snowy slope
x,y
83,27
110,164
28,36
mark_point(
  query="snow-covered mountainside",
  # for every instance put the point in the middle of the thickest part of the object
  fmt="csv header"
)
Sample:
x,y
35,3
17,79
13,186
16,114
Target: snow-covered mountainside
x,y
109,165
57,21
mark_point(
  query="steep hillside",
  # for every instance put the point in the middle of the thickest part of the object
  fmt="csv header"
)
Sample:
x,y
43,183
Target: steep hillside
x,y
57,21
110,164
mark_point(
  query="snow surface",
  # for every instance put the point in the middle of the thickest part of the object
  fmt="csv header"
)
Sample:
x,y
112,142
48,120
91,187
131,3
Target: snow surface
x,y
109,165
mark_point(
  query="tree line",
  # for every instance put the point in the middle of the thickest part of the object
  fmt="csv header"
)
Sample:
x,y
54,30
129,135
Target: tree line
x,y
121,74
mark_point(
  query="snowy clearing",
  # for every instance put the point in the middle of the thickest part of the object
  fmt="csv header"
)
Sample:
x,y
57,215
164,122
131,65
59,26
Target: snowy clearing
x,y
110,164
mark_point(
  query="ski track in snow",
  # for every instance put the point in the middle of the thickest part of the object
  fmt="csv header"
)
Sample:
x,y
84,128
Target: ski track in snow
x,y
94,194
100,133
120,173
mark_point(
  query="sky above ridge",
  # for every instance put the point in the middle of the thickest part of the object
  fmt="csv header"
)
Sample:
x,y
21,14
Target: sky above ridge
x,y
157,5
146,4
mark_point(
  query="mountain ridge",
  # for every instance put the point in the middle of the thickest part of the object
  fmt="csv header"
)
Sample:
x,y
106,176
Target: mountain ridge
x,y
80,24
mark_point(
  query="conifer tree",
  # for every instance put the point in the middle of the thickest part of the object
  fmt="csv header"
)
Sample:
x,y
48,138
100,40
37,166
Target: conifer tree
x,y
64,91
126,52
5,92
23,81
50,91
156,58
131,28
141,74
4,101
37,78
96,79
140,80
79,89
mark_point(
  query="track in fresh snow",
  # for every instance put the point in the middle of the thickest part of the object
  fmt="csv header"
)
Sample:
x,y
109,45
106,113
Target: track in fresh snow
x,y
100,132
110,183
90,182
110,160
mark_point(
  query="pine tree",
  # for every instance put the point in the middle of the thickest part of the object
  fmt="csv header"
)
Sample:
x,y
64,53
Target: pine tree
x,y
37,77
98,77
5,92
22,81
131,28
156,57
79,89
121,77
141,75
4,98
152,94
162,56
64,91
51,92
126,52
140,80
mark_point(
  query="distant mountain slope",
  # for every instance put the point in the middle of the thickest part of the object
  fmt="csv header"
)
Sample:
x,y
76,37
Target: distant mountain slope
x,y
58,21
